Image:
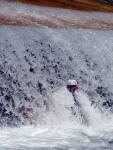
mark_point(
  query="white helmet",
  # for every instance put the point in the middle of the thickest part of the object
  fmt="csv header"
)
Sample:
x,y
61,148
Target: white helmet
x,y
71,82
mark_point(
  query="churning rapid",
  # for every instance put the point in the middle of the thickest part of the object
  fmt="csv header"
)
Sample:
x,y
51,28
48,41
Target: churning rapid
x,y
35,63
35,105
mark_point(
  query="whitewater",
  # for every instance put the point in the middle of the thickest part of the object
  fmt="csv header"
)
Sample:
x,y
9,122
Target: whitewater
x,y
35,63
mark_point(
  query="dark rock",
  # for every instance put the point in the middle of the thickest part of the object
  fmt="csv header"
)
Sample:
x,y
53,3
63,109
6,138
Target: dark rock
x,y
70,58
40,88
101,91
32,70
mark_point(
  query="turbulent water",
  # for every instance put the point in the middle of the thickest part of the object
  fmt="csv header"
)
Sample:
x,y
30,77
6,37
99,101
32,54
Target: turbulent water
x,y
35,63
37,112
